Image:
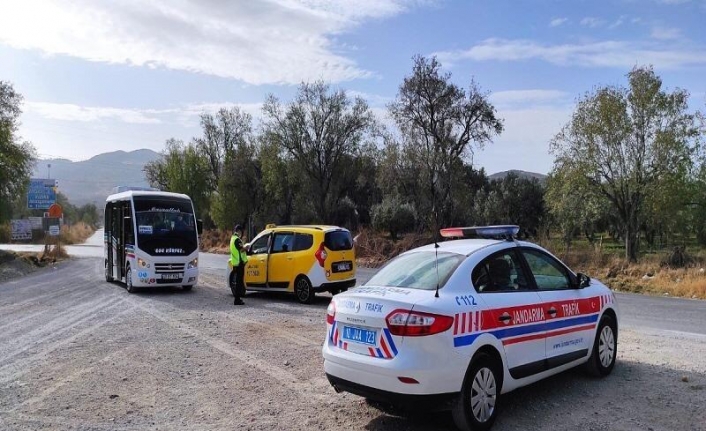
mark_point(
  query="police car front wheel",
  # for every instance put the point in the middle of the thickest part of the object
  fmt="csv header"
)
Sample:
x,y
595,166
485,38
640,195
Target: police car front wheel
x,y
605,348
476,406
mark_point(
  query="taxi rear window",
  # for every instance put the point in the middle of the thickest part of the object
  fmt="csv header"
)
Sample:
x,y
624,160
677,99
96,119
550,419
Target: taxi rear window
x,y
338,240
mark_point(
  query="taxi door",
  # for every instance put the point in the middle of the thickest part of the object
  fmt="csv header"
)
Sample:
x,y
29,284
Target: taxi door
x,y
256,268
512,311
281,263
571,313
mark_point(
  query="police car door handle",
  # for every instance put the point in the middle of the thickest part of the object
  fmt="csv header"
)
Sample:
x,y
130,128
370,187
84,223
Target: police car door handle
x,y
552,311
505,317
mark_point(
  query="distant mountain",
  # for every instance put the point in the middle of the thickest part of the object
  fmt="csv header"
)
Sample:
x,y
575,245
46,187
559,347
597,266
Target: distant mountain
x,y
92,180
521,174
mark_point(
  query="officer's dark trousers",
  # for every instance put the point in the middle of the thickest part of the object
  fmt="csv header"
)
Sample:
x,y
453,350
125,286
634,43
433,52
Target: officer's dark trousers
x,y
240,281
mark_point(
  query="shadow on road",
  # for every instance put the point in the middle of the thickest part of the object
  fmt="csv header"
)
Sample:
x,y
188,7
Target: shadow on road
x,y
635,396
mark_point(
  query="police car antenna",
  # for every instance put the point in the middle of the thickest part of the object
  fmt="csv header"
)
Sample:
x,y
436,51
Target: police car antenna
x,y
436,250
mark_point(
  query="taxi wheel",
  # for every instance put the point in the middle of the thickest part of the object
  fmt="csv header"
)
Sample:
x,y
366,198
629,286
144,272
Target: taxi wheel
x,y
605,348
128,281
476,406
303,290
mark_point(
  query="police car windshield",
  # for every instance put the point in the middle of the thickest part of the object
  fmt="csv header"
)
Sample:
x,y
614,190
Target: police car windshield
x,y
417,270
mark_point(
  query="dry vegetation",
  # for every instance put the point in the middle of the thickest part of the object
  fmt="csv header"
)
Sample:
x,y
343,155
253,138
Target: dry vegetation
x,y
215,241
77,233
651,275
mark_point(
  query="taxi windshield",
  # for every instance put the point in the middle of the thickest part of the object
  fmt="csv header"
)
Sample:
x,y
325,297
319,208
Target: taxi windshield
x,y
417,270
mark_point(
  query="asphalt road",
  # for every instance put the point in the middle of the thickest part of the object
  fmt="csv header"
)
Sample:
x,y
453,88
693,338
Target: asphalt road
x,y
655,313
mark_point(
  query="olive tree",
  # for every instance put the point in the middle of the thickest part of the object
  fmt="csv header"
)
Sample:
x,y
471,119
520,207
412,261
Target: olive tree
x,y
16,157
626,142
440,123
319,129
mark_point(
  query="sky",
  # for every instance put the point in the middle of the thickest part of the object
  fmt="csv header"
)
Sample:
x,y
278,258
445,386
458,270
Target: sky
x,y
106,75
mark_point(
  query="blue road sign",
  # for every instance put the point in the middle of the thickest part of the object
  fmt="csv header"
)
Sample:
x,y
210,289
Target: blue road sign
x,y
41,194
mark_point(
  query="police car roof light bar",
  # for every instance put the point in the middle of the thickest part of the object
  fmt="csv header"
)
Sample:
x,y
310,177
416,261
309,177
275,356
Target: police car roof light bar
x,y
507,232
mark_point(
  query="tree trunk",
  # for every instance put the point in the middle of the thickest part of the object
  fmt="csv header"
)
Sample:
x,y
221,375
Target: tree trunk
x,y
631,243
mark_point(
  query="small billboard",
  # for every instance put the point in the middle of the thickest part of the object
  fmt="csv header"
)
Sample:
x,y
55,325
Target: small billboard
x,y
21,230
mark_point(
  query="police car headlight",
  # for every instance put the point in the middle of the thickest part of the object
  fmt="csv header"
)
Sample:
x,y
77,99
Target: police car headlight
x,y
141,263
193,264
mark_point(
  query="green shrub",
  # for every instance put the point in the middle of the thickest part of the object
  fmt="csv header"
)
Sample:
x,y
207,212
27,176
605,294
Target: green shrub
x,y
394,215
5,233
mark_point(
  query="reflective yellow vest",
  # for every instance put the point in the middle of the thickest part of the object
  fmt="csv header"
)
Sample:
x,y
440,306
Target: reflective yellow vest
x,y
237,256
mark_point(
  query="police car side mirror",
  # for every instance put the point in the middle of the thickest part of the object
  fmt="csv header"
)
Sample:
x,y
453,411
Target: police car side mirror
x,y
584,280
247,248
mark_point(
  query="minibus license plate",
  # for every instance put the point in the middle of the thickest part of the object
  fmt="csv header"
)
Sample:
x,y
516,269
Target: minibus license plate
x,y
177,276
359,335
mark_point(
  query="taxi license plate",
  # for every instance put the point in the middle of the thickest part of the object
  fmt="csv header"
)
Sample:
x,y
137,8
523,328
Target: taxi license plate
x,y
359,335
342,266
177,276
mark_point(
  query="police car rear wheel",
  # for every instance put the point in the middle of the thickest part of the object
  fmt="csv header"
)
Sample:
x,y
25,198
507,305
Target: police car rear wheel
x,y
303,290
476,406
128,281
605,348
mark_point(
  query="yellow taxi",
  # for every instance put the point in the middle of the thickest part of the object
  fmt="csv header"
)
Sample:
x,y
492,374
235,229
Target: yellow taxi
x,y
302,259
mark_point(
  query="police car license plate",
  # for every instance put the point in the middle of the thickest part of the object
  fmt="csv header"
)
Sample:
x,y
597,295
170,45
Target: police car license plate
x,y
342,266
176,276
359,335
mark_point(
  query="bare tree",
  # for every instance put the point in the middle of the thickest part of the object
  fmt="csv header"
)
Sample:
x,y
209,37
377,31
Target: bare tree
x,y
318,129
440,122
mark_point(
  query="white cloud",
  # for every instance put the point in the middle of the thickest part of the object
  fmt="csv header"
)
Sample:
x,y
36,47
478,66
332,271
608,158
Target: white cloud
x,y
185,115
592,22
70,112
527,97
617,23
556,22
620,54
258,42
665,33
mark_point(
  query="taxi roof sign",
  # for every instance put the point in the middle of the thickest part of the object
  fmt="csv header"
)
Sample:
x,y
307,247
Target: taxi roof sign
x,y
499,231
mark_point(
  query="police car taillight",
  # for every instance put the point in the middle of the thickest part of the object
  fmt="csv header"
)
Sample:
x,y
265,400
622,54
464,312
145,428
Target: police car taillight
x,y
331,313
416,323
321,255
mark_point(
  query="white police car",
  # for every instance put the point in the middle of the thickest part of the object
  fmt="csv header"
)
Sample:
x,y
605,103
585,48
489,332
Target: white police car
x,y
455,326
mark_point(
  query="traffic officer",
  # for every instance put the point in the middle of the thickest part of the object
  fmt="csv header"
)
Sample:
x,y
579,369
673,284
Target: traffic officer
x,y
238,258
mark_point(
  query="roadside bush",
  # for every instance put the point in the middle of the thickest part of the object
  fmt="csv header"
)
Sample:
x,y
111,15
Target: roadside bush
x,y
4,233
76,233
394,215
